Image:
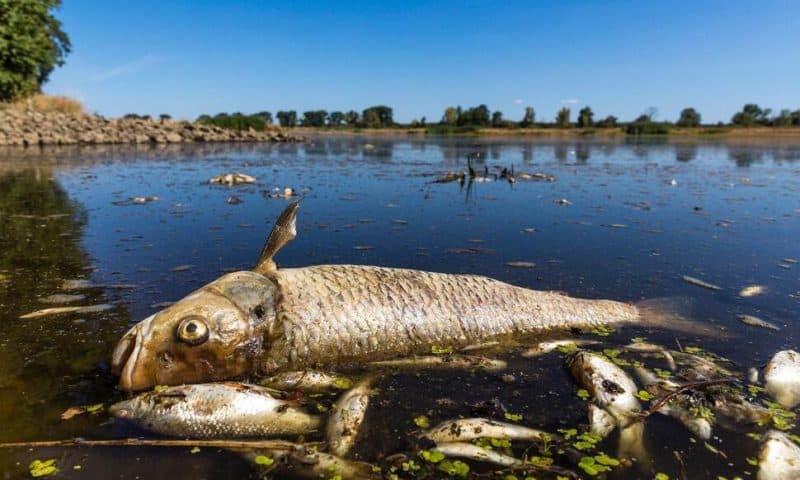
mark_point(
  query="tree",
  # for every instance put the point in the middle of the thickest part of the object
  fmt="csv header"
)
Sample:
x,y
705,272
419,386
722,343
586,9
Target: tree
x,y
497,119
450,116
267,116
784,118
32,45
608,122
164,117
335,119
529,118
314,118
383,113
562,118
351,118
476,116
689,118
287,118
751,114
371,119
585,117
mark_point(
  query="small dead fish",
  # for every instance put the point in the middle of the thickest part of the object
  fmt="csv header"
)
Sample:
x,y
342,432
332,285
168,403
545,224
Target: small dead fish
x,y
474,452
562,201
543,348
612,389
601,422
520,264
215,410
345,421
61,298
45,312
778,458
312,381
700,283
752,291
466,429
143,200
181,268
757,322
701,368
651,348
679,407
782,378
234,200
231,179
480,346
733,405
305,462
76,284
288,192
443,361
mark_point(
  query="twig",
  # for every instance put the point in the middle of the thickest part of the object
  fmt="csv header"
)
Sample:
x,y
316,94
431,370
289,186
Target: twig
x,y
145,442
680,347
688,386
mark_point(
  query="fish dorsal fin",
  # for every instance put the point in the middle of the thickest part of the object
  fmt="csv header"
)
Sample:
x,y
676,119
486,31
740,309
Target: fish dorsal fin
x,y
284,231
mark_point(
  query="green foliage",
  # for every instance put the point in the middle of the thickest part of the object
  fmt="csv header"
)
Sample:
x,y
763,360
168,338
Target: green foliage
x,y
608,122
644,125
335,119
378,116
450,116
314,118
530,117
287,118
562,118
750,115
164,117
32,44
689,118
234,121
497,119
135,116
585,117
351,118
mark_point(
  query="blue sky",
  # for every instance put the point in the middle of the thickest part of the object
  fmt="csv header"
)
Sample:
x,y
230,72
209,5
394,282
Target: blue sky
x,y
191,57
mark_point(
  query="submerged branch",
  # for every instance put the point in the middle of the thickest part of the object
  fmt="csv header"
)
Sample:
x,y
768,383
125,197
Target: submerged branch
x,y
688,386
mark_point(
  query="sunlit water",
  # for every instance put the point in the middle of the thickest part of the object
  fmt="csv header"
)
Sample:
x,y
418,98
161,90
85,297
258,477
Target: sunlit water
x,y
641,215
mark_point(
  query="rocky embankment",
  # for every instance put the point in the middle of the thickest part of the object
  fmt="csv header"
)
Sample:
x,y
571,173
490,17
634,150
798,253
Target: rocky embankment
x,y
36,128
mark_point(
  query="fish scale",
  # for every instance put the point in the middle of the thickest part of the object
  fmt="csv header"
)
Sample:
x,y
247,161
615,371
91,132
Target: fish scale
x,y
332,313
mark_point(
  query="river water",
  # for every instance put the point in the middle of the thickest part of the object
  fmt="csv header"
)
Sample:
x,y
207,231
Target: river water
x,y
640,215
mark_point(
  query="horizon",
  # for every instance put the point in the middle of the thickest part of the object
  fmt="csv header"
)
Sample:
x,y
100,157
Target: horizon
x,y
619,58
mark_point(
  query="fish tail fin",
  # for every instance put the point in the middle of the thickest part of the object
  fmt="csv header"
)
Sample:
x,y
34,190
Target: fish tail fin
x,y
672,313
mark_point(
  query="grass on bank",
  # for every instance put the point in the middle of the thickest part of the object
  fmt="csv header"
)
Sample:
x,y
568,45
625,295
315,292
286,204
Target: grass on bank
x,y
45,104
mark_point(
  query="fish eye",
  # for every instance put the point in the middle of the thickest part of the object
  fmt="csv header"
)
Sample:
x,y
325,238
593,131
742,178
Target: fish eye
x,y
192,330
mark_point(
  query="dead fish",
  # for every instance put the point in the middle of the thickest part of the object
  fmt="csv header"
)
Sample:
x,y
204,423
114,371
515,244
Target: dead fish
x,y
443,361
270,320
752,291
287,192
680,407
480,346
543,348
757,322
601,422
215,410
700,368
451,177
700,283
306,462
76,284
466,429
45,312
234,200
312,381
474,452
782,378
520,264
778,458
231,179
562,201
733,405
61,298
143,200
651,348
345,420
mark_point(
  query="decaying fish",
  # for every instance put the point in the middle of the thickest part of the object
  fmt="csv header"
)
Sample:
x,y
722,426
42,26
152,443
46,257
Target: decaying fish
x,y
779,457
752,291
215,410
615,392
271,320
474,452
651,348
311,381
304,462
757,322
466,429
692,414
782,378
543,348
46,312
444,362
231,179
345,420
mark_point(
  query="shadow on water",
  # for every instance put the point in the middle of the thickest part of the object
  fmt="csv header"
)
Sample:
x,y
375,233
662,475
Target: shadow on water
x,y
641,214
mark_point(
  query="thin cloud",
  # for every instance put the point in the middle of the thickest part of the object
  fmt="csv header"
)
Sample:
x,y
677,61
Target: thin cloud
x,y
570,101
129,68
518,101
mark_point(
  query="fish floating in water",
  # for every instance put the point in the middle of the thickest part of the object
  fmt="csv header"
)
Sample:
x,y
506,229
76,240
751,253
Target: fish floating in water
x,y
215,410
782,378
271,320
779,457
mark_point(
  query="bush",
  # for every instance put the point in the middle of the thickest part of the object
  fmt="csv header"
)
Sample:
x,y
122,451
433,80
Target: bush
x,y
647,128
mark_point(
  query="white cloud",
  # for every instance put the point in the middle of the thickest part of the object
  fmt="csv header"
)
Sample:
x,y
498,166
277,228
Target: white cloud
x,y
518,101
130,68
570,101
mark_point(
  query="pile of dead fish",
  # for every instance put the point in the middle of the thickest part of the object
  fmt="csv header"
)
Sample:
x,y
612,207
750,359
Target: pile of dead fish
x,y
694,387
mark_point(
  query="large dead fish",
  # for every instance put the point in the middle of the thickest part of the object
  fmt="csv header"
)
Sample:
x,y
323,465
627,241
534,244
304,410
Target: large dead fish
x,y
270,320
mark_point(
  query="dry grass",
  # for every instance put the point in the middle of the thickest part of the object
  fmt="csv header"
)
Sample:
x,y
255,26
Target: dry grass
x,y
46,104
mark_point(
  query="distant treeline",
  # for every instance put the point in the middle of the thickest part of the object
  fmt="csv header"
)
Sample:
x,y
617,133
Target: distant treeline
x,y
457,119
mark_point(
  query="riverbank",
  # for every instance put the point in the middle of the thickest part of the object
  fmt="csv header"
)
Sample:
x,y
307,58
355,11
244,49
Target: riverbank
x,y
725,132
32,128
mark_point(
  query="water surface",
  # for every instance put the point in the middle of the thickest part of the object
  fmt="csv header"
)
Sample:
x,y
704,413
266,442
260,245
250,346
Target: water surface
x,y
640,216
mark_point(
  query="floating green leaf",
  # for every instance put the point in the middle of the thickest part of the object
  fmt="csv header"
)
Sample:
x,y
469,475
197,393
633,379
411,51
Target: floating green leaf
x,y
264,460
644,395
160,388
661,476
43,468
422,421
540,461
195,450
432,457
582,393
751,461
454,468
514,417
437,350
342,383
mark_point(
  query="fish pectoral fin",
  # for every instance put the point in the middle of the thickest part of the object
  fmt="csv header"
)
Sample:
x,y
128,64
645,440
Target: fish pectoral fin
x,y
284,231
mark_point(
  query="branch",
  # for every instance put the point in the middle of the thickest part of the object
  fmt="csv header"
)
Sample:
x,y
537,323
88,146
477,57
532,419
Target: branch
x,y
688,386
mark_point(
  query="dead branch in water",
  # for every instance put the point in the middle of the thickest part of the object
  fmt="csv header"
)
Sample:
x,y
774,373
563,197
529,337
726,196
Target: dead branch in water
x,y
688,386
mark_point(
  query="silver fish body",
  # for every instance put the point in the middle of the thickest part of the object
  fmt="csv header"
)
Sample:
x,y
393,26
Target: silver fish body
x,y
782,378
466,429
680,407
779,457
311,381
215,411
471,451
345,420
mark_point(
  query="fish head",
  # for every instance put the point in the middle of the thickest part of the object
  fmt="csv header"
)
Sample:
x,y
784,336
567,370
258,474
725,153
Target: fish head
x,y
214,333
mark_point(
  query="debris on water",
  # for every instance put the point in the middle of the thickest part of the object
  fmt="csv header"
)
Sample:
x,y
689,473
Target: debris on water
x,y
231,179
617,225
470,251
480,346
673,182
76,284
446,361
363,247
136,201
397,221
234,200
43,468
181,268
700,283
529,230
536,176
520,264
757,322
752,291
785,266
287,192
62,310
562,201
451,177
789,260
72,412
62,298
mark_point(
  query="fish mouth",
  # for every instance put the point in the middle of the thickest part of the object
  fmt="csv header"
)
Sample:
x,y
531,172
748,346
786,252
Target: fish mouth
x,y
126,361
